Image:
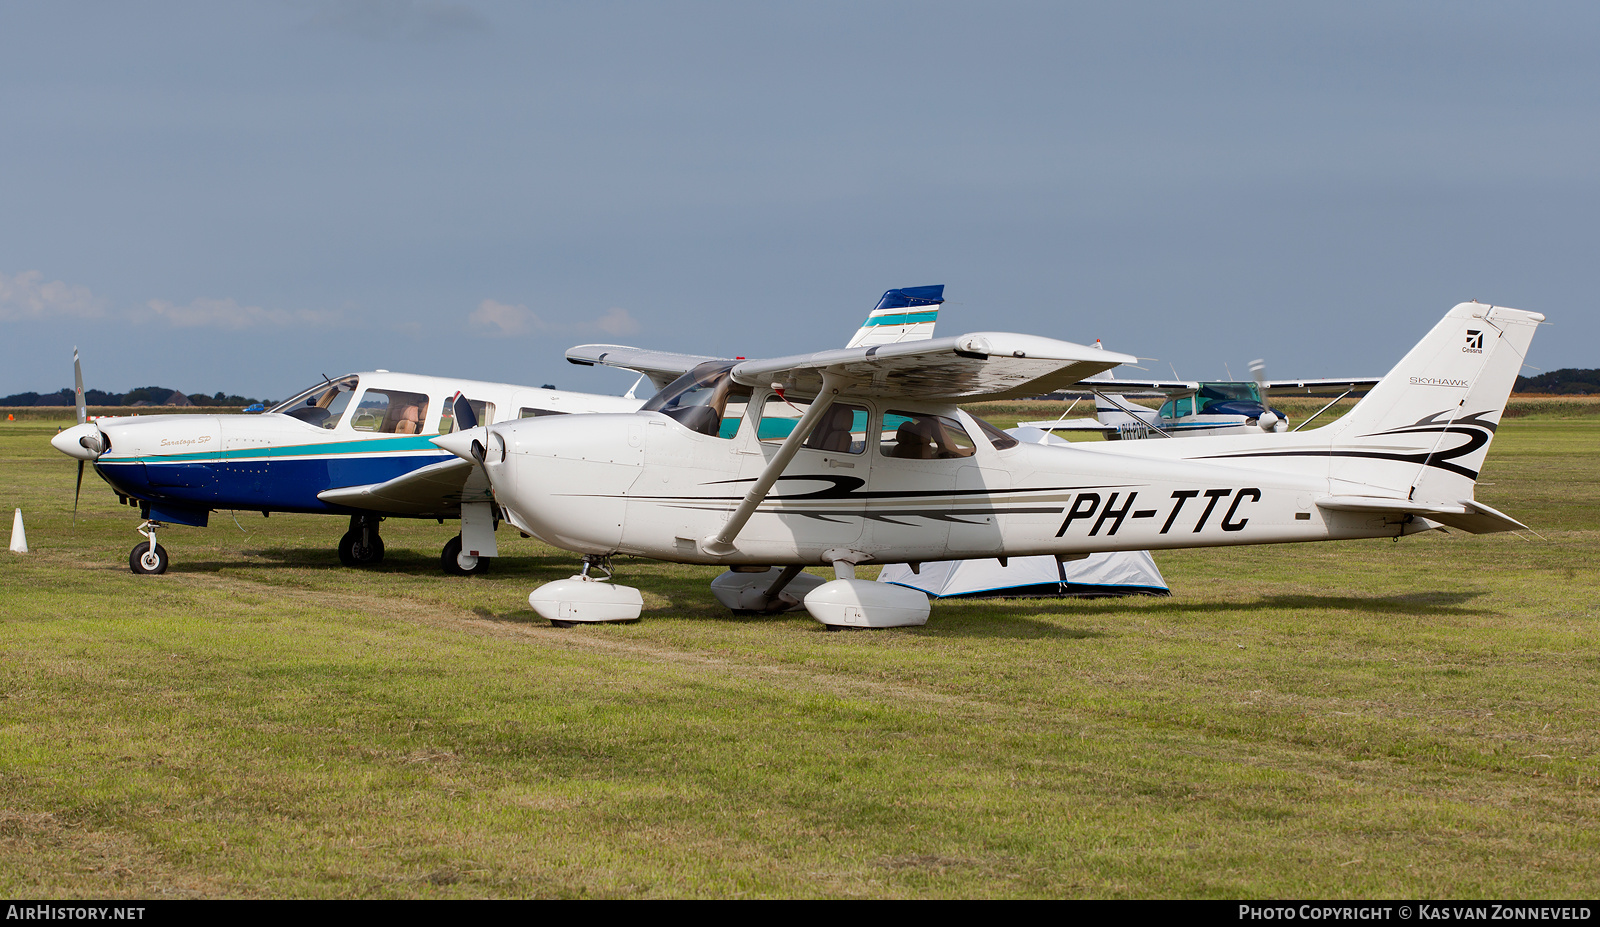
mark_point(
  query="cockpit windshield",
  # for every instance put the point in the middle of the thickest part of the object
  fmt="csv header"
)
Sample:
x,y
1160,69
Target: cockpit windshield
x,y
700,399
1228,392
322,405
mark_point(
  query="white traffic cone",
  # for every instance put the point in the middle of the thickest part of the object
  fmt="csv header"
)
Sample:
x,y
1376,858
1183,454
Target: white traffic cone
x,y
19,538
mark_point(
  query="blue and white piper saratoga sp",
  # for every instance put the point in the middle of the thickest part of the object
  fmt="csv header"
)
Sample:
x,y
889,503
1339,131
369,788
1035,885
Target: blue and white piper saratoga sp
x,y
862,455
356,446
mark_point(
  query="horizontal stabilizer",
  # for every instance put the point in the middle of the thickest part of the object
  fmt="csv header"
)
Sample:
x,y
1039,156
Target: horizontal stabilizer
x,y
437,490
1466,515
1069,424
662,367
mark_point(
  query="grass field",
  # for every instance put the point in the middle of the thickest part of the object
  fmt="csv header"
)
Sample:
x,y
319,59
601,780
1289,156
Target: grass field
x,y
1370,719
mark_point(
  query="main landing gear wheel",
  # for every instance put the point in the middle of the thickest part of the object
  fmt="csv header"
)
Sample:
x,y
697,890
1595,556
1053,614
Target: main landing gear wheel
x,y
353,552
146,562
451,560
361,546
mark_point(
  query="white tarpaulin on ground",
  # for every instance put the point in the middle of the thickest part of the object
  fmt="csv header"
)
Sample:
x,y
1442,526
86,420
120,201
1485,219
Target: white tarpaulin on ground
x,y
1117,573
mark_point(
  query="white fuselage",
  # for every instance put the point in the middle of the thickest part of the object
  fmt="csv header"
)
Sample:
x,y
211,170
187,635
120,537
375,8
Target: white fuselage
x,y
643,484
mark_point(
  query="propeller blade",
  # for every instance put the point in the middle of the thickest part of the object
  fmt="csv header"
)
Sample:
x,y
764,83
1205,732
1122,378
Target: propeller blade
x,y
1270,420
83,410
77,493
465,418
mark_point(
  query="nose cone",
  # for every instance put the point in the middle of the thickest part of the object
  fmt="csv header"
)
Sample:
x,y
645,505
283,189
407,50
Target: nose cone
x,y
460,443
81,441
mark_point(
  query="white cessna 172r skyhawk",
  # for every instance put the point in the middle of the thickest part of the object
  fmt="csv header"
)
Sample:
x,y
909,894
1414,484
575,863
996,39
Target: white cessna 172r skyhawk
x,y
856,455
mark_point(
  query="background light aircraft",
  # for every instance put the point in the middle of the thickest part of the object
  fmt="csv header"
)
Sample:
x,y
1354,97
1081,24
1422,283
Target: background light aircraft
x,y
880,465
1192,407
357,446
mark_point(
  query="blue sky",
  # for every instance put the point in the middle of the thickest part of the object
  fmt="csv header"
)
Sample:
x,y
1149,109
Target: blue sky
x,y
242,196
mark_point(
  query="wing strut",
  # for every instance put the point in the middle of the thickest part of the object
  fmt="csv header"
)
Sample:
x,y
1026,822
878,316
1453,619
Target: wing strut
x,y
1153,427
721,543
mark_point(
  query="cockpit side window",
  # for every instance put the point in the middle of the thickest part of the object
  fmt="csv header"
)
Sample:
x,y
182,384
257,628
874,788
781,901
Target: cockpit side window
x,y
390,412
322,405
705,400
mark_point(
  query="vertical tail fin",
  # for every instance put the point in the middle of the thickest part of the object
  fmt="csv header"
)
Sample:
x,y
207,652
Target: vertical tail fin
x,y
906,314
1425,429
1113,409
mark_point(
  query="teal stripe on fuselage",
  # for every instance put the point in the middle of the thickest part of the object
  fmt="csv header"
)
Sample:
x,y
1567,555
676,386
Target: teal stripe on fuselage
x,y
339,448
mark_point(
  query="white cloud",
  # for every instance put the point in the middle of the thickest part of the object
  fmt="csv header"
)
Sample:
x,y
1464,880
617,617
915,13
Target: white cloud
x,y
26,297
497,318
493,318
227,313
617,322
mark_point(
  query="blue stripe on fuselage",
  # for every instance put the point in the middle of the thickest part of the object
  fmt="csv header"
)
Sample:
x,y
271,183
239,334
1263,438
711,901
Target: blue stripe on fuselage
x,y
282,485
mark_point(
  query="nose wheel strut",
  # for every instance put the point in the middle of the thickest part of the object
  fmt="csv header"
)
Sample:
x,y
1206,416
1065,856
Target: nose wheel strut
x,y
147,557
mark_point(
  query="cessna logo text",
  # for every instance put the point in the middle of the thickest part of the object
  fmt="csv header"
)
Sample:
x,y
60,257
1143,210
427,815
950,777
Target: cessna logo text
x,y
1434,381
1474,342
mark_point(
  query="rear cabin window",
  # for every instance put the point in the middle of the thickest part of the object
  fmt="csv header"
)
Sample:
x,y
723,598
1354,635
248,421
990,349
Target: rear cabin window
x,y
390,412
482,411
997,438
920,436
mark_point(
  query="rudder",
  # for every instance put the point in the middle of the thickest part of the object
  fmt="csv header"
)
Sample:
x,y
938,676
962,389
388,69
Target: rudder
x,y
1425,429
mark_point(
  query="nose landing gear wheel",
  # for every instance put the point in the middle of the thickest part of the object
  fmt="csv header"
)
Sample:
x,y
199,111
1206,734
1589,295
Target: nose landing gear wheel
x,y
146,562
354,552
451,560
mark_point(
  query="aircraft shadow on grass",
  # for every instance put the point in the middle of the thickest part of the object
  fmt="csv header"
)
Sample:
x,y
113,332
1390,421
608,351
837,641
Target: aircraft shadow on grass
x,y
396,561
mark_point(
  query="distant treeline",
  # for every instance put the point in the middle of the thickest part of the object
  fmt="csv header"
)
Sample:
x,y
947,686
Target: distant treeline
x,y
1568,381
144,395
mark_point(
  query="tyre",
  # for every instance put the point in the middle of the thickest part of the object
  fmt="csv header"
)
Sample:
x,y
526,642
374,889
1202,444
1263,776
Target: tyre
x,y
144,562
452,566
353,553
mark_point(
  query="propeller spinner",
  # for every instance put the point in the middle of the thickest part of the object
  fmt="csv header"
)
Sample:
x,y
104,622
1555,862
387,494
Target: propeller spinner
x,y
1268,420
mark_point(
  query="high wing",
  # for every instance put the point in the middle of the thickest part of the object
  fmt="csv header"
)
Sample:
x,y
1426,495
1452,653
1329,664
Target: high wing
x,y
1120,385
991,365
437,490
662,367
1323,384
1192,385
